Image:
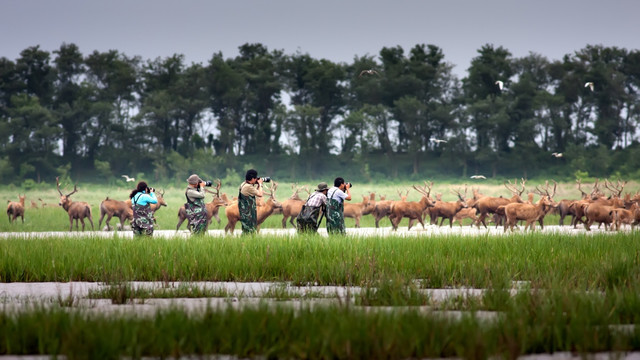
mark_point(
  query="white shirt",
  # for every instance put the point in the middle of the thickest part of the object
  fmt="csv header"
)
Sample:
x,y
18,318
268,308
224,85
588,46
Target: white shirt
x,y
337,194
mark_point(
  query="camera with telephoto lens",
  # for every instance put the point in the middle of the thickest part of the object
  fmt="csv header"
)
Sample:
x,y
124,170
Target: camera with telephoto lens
x,y
350,185
208,183
266,179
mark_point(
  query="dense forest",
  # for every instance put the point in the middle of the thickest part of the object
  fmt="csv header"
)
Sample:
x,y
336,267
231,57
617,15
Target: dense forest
x,y
99,115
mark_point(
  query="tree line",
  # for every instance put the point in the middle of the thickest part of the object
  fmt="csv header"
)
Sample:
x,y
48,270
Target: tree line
x,y
106,113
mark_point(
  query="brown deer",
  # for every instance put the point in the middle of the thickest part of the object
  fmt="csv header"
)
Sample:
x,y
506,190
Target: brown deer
x,y
411,209
382,208
530,213
34,205
120,209
447,210
213,207
44,204
161,202
15,209
489,204
233,215
625,216
293,205
357,210
76,210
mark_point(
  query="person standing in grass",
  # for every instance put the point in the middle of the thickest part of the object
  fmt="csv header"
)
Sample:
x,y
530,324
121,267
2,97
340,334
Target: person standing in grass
x,y
195,207
141,199
336,196
247,193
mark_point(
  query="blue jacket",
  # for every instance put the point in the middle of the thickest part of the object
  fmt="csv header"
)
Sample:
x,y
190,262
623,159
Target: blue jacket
x,y
143,199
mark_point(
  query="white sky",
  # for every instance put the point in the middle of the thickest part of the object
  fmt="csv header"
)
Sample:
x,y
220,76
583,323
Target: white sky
x,y
336,30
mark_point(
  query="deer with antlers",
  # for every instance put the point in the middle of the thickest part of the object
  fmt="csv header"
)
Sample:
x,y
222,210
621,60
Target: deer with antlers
x,y
382,208
448,210
78,210
412,209
15,209
233,213
530,213
489,204
293,205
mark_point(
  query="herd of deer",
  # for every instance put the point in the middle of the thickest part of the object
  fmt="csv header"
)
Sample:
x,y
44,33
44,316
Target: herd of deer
x,y
613,211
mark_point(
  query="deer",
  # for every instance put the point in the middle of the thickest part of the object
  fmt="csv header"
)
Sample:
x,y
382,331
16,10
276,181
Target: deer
x,y
357,210
411,209
76,210
293,205
34,205
120,209
489,204
15,209
382,208
233,215
530,213
213,207
466,213
629,216
44,204
447,210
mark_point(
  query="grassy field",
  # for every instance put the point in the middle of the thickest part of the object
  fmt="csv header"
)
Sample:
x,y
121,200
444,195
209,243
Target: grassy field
x,y
56,219
600,261
582,296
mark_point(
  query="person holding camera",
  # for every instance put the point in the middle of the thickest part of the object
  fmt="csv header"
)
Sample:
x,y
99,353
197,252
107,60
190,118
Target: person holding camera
x,y
195,207
247,193
336,196
141,199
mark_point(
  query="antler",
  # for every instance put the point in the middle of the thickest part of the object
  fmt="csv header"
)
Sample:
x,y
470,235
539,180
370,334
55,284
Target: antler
x,y
215,193
512,187
545,191
457,192
615,190
271,190
75,189
584,194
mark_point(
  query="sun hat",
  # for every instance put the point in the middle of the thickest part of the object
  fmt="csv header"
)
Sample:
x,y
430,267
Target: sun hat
x,y
194,179
322,186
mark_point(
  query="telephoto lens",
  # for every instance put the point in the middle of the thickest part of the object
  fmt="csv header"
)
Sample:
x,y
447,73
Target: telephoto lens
x,y
266,179
350,184
208,183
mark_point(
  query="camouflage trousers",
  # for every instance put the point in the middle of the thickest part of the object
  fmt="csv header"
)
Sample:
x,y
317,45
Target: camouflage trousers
x,y
197,216
335,217
248,214
142,223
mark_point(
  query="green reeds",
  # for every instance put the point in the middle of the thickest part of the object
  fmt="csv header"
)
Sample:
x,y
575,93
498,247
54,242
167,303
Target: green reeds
x,y
531,322
600,261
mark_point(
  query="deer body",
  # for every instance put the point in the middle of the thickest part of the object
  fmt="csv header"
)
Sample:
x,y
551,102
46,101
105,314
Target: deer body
x,y
356,210
76,210
527,212
409,209
120,209
15,209
264,211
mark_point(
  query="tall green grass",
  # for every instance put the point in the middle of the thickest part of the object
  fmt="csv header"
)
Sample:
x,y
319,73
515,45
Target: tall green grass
x,y
532,322
599,261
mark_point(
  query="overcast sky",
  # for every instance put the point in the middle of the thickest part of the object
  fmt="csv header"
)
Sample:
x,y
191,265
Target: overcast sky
x,y
336,30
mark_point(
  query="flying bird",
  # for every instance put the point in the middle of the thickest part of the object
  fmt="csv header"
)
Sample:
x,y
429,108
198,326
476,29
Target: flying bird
x,y
589,84
128,179
558,155
478,177
368,72
500,84
437,141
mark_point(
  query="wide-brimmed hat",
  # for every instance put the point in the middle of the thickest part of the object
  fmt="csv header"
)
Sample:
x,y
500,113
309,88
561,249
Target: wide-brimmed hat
x,y
322,186
194,179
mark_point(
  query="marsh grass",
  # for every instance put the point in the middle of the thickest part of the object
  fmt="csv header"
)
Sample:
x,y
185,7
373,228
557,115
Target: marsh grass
x,y
528,323
600,261
122,293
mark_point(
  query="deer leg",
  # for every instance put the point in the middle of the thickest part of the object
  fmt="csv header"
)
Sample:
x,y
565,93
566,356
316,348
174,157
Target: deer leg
x,y
451,222
293,220
180,221
357,221
481,220
410,223
421,222
284,221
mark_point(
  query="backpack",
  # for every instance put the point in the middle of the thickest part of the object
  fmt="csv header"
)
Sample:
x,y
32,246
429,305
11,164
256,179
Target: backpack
x,y
307,219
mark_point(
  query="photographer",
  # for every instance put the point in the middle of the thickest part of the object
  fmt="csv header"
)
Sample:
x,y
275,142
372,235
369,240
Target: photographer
x,y
249,189
141,198
195,207
315,207
336,196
